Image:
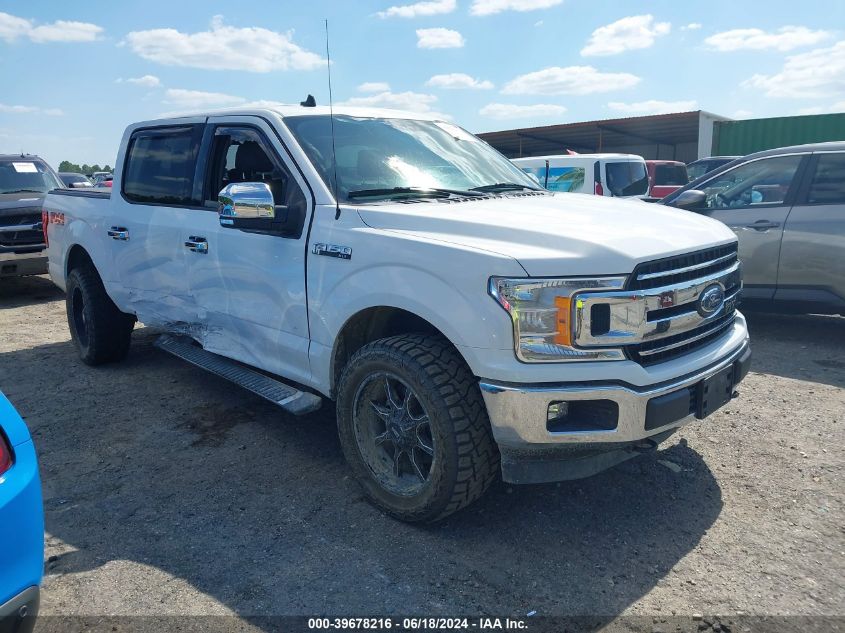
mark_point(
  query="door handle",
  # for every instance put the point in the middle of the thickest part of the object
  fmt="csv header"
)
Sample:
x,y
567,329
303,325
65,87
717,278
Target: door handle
x,y
197,244
119,233
762,225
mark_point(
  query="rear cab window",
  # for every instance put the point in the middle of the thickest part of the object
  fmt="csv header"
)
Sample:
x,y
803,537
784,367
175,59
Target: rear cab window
x,y
160,165
670,175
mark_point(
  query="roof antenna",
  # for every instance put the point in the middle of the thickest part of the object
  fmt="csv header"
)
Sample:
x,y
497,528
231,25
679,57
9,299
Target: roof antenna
x,y
310,102
331,118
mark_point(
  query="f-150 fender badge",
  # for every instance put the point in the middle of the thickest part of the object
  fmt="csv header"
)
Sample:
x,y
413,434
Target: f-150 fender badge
x,y
333,250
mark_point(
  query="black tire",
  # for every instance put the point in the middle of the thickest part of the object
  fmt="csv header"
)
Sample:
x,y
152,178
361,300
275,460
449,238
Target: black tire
x,y
99,330
464,459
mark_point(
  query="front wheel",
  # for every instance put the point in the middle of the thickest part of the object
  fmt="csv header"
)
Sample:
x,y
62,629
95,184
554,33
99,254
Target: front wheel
x,y
413,427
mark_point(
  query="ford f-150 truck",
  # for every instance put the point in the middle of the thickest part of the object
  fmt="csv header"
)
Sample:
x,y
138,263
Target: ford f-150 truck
x,y
24,181
464,321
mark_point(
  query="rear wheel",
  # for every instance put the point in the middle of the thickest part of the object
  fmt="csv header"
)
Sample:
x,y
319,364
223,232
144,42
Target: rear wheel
x,y
99,330
414,428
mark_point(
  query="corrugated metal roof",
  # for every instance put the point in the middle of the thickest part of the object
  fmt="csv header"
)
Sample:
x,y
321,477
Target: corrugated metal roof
x,y
595,136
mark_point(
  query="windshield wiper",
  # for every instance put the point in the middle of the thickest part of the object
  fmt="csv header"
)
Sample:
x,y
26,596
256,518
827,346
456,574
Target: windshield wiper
x,y
504,186
24,191
422,192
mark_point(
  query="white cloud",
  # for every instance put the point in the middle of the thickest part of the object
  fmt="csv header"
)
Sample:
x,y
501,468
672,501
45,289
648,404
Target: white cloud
x,y
692,26
816,73
147,81
572,80
784,39
509,111
653,106
459,80
633,32
411,101
22,109
223,47
742,114
13,27
374,86
430,7
439,38
489,7
200,99
65,31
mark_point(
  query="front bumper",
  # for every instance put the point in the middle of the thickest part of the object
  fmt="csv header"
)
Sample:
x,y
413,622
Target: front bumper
x,y
618,420
21,264
18,614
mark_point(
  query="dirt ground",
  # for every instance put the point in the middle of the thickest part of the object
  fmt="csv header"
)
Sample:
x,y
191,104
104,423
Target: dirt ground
x,y
170,491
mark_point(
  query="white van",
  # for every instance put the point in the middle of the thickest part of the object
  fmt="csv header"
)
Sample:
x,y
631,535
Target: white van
x,y
620,175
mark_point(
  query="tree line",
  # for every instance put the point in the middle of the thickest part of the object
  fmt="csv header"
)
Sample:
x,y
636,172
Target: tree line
x,y
66,165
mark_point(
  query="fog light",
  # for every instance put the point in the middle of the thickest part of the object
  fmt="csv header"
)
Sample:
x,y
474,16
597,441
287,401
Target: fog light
x,y
577,416
557,410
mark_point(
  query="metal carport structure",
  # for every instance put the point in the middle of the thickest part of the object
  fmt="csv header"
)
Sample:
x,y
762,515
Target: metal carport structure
x,y
681,136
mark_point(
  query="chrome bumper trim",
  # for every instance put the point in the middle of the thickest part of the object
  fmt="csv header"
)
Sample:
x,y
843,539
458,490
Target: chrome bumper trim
x,y
518,413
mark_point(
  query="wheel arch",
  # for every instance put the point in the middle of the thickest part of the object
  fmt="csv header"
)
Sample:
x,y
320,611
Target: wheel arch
x,y
77,256
374,323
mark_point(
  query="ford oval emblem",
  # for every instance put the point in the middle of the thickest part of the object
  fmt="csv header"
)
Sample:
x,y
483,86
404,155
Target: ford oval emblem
x,y
710,300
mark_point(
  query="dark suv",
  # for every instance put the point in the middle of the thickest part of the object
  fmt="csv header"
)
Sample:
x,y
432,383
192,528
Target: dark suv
x,y
24,180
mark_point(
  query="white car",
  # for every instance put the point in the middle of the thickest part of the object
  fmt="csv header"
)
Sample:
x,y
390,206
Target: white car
x,y
616,175
464,321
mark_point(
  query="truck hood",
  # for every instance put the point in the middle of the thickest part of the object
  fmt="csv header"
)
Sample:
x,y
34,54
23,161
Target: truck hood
x,y
20,203
555,235
23,199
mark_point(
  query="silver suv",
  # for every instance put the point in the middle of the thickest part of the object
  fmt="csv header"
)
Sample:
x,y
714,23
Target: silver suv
x,y
787,207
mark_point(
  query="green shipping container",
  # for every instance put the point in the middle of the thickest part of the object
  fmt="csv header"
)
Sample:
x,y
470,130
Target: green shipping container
x,y
738,138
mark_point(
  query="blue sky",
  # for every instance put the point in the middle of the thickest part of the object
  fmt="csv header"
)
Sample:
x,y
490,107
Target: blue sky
x,y
75,74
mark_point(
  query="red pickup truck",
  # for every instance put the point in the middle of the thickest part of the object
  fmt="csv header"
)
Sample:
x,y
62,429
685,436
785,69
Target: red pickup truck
x,y
665,176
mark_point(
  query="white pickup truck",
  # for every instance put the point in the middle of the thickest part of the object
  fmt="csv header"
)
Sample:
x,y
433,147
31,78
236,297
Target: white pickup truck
x,y
464,321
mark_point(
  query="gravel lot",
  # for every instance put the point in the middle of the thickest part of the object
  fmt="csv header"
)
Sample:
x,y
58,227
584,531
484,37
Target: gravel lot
x,y
170,491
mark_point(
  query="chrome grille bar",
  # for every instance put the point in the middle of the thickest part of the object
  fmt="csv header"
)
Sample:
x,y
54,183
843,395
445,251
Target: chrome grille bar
x,y
699,334
686,269
629,310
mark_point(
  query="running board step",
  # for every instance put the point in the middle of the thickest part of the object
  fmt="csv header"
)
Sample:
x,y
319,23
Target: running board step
x,y
289,398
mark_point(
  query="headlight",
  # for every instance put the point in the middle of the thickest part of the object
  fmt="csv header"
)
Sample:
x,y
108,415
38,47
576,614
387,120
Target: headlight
x,y
542,311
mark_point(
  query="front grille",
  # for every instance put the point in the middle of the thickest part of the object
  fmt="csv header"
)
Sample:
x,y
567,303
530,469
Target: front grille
x,y
680,268
670,272
26,236
661,350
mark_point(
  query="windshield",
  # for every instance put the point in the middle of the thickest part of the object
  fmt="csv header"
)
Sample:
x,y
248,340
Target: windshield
x,y
21,176
627,179
378,155
670,175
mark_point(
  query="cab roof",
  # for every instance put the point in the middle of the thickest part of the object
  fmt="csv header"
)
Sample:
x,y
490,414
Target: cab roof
x,y
290,110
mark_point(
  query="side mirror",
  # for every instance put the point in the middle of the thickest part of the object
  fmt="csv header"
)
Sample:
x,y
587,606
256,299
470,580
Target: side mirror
x,y
690,199
249,206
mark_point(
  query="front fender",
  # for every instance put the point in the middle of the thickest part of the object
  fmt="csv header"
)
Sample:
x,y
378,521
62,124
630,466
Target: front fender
x,y
444,285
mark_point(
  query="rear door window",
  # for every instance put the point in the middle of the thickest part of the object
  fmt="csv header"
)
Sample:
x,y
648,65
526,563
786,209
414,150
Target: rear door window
x,y
566,178
628,178
670,175
828,184
161,164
